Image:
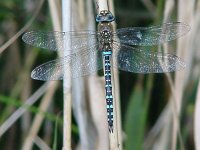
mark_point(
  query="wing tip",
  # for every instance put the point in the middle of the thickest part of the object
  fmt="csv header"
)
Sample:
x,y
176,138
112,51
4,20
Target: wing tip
x,y
34,75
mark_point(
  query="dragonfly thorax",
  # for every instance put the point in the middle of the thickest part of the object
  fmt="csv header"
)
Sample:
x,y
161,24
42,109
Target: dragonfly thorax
x,y
105,35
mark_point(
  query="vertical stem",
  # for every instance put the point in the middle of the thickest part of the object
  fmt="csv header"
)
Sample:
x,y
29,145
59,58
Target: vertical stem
x,y
197,119
116,89
66,18
185,14
115,142
103,5
54,7
114,137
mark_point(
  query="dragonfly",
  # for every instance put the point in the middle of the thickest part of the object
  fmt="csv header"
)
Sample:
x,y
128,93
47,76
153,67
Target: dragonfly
x,y
104,49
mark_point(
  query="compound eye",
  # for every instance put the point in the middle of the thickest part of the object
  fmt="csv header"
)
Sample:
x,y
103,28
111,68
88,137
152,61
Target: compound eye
x,y
99,18
110,16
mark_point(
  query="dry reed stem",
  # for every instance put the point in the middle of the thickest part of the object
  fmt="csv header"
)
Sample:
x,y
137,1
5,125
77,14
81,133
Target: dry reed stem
x,y
26,118
67,121
39,118
169,6
41,144
98,109
116,94
114,137
20,32
176,115
185,14
196,74
66,17
55,7
168,10
196,44
81,9
22,78
79,90
176,103
67,97
103,5
172,105
79,102
149,5
82,21
25,72
154,133
158,137
20,111
197,120
97,101
10,73
25,75
47,98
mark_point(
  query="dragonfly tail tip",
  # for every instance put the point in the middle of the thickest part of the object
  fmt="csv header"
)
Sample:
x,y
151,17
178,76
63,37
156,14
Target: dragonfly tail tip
x,y
110,129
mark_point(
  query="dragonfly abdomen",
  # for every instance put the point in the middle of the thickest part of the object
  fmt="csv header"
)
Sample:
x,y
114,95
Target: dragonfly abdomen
x,y
108,88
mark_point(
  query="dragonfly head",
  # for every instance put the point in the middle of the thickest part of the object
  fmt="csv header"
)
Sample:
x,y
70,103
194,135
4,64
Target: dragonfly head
x,y
105,16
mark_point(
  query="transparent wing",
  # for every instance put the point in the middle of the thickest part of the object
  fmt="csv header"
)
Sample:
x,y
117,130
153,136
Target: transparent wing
x,y
140,61
147,36
82,64
56,40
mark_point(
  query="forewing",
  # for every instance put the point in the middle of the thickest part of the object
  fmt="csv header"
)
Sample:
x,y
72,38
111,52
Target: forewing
x,y
81,64
142,61
60,40
147,36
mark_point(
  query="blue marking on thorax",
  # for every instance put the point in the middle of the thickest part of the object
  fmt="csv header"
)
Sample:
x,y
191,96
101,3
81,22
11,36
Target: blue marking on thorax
x,y
107,52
